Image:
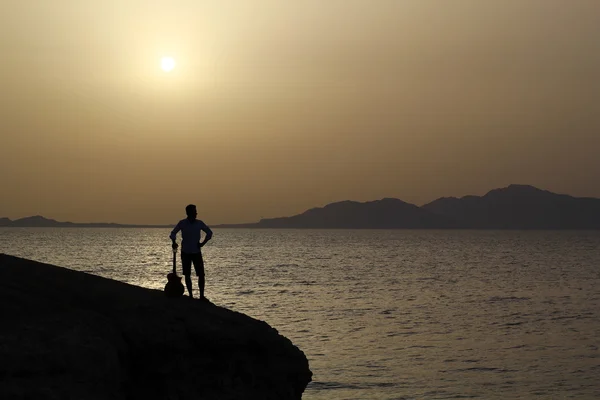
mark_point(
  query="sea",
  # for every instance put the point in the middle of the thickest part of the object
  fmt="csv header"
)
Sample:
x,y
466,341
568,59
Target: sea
x,y
386,314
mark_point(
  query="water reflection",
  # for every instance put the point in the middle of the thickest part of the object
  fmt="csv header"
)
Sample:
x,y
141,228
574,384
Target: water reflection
x,y
386,314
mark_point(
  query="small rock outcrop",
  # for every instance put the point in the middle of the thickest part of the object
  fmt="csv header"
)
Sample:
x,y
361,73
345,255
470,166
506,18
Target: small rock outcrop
x,y
68,334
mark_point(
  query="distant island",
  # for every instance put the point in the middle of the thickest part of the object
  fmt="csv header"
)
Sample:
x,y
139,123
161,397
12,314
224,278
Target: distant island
x,y
38,221
512,207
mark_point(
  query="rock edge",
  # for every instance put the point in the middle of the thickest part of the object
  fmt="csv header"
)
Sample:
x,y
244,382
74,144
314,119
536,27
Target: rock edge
x,y
68,334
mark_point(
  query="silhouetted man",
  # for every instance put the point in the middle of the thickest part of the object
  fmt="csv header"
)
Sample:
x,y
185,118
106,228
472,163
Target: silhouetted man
x,y
190,247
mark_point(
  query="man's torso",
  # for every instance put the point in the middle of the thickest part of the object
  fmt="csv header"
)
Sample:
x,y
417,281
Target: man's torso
x,y
191,234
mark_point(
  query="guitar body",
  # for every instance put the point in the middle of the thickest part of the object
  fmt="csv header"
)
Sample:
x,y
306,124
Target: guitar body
x,y
174,287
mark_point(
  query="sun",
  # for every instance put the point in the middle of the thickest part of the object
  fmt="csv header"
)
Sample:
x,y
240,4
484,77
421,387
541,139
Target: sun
x,y
167,64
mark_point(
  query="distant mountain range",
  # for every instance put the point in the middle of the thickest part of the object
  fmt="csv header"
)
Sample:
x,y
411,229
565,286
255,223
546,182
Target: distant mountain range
x,y
513,207
520,207
385,213
40,222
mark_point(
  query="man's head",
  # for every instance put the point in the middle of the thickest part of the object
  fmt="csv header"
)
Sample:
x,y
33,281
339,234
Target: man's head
x,y
190,211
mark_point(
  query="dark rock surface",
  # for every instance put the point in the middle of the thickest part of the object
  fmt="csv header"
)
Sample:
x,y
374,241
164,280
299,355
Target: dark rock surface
x,y
71,335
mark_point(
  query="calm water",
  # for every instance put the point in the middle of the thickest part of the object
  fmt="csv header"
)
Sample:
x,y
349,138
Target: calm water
x,y
387,314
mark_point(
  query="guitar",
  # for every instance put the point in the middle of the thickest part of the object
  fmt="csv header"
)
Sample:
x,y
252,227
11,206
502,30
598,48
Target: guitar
x,y
174,287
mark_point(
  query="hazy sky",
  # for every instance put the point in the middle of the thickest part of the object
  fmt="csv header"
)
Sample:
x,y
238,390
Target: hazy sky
x,y
276,106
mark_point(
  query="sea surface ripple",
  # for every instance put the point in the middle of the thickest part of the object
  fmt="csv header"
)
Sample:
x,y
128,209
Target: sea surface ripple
x,y
387,314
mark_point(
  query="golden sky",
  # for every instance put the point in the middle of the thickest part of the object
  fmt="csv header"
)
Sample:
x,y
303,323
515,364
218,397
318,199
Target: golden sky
x,y
275,106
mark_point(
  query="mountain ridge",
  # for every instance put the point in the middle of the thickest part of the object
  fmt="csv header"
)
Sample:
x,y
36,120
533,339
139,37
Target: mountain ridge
x,y
516,206
38,221
520,207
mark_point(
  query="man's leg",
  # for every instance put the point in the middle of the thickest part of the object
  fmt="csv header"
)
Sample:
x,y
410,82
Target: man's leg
x,y
186,263
199,267
201,285
188,284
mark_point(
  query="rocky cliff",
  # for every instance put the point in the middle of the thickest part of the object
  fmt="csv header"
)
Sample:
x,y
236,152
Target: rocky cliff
x,y
70,335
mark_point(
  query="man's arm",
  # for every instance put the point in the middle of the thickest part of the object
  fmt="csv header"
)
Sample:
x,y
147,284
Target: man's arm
x,y
173,235
208,234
